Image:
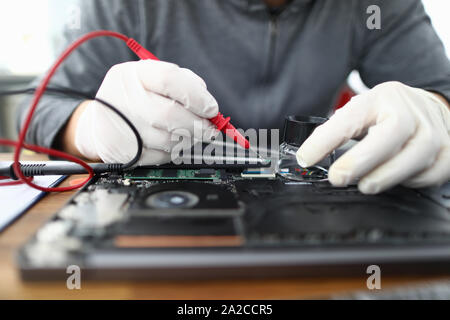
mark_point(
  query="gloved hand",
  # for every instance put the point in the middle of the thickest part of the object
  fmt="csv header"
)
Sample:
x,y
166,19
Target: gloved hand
x,y
161,99
406,140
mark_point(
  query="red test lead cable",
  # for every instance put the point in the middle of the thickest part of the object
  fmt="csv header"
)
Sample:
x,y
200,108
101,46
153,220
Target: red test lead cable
x,y
37,97
221,123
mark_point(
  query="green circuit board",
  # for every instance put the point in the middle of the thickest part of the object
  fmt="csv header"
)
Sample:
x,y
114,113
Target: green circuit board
x,y
173,174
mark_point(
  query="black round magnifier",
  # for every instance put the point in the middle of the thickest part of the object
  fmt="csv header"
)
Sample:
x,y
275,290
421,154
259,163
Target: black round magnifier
x,y
298,128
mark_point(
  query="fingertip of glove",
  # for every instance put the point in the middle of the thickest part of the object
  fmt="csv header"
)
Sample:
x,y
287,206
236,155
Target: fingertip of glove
x,y
211,108
304,157
369,187
339,178
301,161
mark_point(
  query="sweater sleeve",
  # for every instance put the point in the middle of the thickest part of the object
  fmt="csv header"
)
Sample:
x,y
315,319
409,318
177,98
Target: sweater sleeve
x,y
406,48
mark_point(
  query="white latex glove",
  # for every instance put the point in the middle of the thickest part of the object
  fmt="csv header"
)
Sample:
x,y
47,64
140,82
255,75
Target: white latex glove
x,y
407,140
159,98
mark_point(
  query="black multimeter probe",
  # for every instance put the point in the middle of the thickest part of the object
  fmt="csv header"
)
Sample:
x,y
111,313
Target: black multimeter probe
x,y
69,168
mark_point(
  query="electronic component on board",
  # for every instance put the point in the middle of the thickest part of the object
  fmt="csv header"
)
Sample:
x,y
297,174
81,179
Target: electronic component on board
x,y
173,174
259,173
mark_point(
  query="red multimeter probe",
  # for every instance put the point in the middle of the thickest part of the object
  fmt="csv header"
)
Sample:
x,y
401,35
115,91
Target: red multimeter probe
x,y
222,124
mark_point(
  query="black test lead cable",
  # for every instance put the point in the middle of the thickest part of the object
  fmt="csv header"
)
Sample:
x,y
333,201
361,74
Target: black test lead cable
x,y
69,168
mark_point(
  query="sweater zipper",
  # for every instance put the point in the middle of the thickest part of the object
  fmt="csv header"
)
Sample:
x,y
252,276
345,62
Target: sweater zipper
x,y
273,34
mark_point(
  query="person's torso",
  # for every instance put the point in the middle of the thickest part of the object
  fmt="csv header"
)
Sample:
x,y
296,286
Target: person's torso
x,y
259,67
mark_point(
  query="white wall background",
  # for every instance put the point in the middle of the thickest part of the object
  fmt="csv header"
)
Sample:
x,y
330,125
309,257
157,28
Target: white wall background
x,y
24,30
29,30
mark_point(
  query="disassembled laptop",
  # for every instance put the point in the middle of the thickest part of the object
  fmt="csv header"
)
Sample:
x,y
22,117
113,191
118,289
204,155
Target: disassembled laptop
x,y
238,220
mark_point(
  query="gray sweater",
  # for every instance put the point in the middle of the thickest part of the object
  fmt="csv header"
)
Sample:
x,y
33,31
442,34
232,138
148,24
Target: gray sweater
x,y
260,67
